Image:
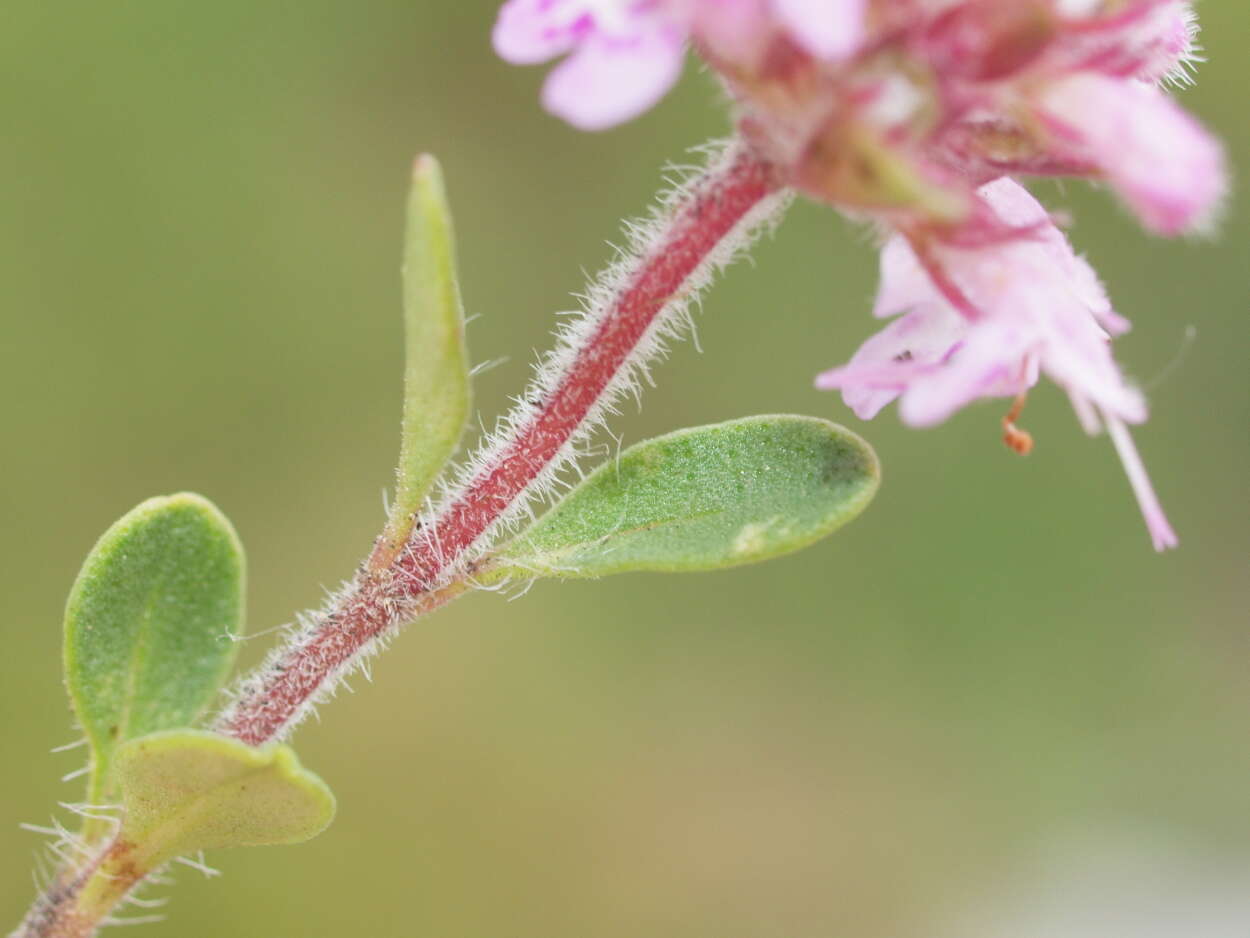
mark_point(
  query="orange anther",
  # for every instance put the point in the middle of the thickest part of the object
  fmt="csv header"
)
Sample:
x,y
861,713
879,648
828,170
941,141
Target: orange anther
x,y
1020,441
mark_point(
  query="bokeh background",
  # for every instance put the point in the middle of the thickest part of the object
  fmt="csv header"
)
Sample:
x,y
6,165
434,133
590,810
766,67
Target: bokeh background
x,y
985,708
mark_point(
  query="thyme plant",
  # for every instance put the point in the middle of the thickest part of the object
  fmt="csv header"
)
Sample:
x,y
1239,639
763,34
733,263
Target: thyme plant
x,y
910,115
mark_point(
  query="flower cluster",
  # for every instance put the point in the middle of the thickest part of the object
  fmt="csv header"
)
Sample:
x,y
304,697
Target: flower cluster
x,y
914,114
983,320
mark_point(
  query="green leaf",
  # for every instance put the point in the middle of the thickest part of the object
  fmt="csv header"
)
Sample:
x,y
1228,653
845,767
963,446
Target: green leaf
x,y
149,624
436,378
702,499
188,790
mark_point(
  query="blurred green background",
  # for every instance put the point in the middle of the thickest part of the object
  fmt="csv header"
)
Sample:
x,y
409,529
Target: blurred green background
x,y
986,695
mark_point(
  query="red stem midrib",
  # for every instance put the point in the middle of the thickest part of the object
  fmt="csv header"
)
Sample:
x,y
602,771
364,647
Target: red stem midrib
x,y
712,211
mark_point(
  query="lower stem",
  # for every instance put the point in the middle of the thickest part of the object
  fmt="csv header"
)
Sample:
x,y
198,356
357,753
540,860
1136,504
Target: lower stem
x,y
82,897
433,564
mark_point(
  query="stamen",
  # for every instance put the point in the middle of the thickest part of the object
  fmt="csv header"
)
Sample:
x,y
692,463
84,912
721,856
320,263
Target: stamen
x,y
1018,440
1161,533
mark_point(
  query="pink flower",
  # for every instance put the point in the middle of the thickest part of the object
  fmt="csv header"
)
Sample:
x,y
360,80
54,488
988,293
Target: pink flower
x,y
985,320
623,59
623,55
899,109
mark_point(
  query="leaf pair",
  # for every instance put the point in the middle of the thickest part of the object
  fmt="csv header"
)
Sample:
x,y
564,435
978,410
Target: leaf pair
x,y
699,499
150,635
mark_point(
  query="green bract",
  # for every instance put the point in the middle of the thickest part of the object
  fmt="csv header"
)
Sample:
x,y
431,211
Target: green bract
x,y
188,790
436,377
150,623
702,499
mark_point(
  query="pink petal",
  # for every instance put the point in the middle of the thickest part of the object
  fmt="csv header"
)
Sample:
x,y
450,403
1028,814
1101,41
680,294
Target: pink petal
x,y
895,357
610,80
991,363
1167,40
904,282
531,31
858,393
1077,356
733,30
828,29
1015,205
1161,160
1153,40
1093,294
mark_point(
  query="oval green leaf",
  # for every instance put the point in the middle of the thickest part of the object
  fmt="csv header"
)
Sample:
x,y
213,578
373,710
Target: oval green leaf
x,y
150,623
436,373
188,790
702,499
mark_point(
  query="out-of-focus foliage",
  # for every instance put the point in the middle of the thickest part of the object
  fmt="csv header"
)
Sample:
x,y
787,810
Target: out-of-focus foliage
x,y
989,675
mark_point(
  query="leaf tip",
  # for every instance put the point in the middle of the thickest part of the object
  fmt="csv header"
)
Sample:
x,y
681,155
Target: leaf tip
x,y
426,169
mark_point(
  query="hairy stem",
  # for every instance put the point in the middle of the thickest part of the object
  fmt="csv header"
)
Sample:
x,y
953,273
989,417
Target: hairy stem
x,y
633,306
81,897
701,227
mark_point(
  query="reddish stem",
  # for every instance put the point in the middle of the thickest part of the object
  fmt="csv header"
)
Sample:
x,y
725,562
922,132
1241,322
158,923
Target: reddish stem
x,y
384,598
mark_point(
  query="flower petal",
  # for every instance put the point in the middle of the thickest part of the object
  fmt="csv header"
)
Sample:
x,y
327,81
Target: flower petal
x,y
1161,161
1016,207
1154,40
828,29
992,362
531,31
610,80
732,30
905,284
897,356
1078,357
